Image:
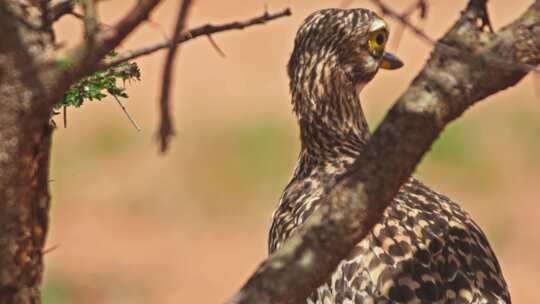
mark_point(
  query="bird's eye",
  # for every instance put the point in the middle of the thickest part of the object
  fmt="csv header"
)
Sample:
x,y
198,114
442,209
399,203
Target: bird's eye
x,y
380,38
377,41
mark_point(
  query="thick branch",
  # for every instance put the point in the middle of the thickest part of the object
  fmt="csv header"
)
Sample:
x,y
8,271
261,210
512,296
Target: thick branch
x,y
90,20
207,29
166,129
448,84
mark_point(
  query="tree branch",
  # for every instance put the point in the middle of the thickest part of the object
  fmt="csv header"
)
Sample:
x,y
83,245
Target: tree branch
x,y
90,19
166,129
207,29
61,9
404,18
421,6
84,59
448,84
125,110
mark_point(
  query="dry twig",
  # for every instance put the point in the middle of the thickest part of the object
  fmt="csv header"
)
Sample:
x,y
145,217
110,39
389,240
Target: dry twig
x,y
208,29
404,19
129,116
419,5
50,249
64,116
216,46
166,128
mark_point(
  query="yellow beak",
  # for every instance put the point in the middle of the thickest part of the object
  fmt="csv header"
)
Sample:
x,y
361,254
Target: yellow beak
x,y
390,62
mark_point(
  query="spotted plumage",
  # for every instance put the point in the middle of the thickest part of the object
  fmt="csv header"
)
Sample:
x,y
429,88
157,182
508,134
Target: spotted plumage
x,y
425,249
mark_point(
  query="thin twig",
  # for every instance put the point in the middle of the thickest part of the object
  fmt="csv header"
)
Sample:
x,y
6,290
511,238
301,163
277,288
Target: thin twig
x,y
159,27
207,29
67,7
100,25
166,128
77,15
50,249
386,10
398,33
64,115
125,110
420,5
216,46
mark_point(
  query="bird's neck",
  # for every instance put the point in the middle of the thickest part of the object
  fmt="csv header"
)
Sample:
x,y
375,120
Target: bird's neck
x,y
334,127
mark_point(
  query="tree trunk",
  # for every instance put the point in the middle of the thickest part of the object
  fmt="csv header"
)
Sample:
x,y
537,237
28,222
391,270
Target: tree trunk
x,y
33,77
25,141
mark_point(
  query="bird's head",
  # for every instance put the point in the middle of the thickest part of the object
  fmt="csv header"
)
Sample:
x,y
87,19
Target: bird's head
x,y
336,52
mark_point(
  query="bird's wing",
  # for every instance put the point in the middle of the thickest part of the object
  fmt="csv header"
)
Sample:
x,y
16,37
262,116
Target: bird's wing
x,y
426,249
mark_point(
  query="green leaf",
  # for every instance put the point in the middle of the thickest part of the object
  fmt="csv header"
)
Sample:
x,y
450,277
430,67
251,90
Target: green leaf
x,y
99,85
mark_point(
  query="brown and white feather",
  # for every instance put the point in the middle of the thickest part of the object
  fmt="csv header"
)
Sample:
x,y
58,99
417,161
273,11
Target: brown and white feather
x,y
426,248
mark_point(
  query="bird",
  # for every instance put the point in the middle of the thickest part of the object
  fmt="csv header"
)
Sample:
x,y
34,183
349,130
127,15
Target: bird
x,y
425,248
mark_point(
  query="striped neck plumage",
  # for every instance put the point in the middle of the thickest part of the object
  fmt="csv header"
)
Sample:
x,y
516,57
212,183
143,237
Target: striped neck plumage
x,y
332,123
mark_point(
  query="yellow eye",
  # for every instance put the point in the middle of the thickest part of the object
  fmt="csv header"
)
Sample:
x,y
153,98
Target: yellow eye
x,y
377,40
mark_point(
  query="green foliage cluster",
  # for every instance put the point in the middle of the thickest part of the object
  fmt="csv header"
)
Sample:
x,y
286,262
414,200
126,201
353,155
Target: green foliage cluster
x,y
100,85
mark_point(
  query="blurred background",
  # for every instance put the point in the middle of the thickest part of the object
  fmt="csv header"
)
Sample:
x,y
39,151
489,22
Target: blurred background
x,y
131,226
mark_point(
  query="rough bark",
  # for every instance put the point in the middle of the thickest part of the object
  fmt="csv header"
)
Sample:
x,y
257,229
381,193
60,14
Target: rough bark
x,y
25,137
27,93
467,65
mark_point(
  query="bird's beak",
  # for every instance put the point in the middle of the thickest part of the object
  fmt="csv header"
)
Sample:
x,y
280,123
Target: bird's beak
x,y
390,62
